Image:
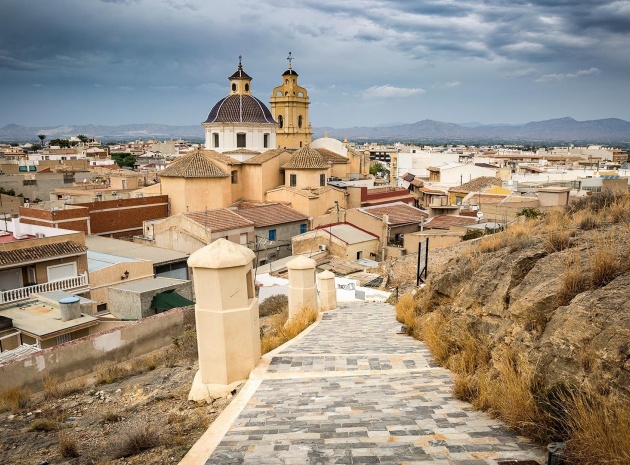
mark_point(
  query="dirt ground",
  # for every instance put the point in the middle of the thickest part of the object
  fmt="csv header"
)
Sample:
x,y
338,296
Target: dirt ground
x,y
144,417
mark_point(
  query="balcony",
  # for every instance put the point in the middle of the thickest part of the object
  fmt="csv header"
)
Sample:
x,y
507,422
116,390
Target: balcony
x,y
21,293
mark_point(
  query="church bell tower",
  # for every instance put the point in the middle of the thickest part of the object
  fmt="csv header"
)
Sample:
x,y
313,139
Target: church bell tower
x,y
289,107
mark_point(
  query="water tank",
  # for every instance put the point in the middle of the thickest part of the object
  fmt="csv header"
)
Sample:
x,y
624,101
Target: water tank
x,y
70,308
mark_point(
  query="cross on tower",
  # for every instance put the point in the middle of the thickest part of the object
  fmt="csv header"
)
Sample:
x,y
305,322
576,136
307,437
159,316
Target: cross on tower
x,y
290,58
239,61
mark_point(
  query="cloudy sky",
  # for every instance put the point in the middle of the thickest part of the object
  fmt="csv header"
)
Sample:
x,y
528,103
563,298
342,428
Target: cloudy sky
x,y
364,62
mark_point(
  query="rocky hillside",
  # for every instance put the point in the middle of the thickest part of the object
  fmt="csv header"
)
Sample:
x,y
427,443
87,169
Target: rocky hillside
x,y
535,323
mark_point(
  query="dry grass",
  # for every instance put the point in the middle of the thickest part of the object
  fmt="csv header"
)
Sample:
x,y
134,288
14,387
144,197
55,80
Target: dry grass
x,y
135,438
433,331
55,389
68,447
111,374
44,424
598,428
282,329
604,263
14,399
406,310
273,305
491,243
573,280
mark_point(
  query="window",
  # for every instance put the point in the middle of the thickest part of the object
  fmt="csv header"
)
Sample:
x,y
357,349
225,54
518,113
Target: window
x,y
233,87
243,239
292,180
272,234
64,338
32,168
302,228
241,138
300,121
29,182
280,121
266,140
322,179
25,168
246,87
359,253
234,177
215,137
59,272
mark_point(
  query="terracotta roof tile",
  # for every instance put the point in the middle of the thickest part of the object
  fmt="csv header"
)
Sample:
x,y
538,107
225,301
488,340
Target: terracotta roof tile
x,y
244,151
446,221
399,213
477,184
220,219
222,157
332,157
306,158
263,157
196,164
41,252
270,214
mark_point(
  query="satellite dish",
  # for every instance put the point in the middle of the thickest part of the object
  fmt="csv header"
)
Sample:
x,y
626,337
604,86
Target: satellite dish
x,y
480,215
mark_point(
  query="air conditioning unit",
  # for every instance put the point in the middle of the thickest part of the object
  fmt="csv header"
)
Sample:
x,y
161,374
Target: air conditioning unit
x,y
322,247
114,193
40,235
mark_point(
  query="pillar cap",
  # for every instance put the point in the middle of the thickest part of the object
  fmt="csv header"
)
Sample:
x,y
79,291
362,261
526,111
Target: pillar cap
x,y
301,263
326,274
221,254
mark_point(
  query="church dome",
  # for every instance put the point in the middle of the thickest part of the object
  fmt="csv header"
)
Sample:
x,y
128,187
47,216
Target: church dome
x,y
239,108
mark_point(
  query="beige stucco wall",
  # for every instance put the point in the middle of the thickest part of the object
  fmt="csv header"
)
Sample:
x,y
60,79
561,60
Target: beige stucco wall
x,y
305,178
80,357
310,242
366,248
101,280
437,239
197,194
366,222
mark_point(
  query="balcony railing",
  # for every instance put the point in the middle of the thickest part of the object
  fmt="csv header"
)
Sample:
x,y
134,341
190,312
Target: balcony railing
x,y
21,293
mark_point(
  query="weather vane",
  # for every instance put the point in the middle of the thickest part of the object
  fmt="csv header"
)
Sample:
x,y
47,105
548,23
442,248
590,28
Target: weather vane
x,y
290,58
239,60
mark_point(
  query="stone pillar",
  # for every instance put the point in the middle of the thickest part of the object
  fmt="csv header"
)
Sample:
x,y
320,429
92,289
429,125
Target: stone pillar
x,y
226,312
327,290
302,290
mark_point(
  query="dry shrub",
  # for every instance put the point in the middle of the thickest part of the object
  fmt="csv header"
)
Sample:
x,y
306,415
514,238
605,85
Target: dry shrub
x,y
406,310
573,281
68,447
55,389
111,374
110,416
14,399
491,243
598,429
433,331
282,329
588,222
558,240
604,265
508,392
520,235
44,424
273,305
135,438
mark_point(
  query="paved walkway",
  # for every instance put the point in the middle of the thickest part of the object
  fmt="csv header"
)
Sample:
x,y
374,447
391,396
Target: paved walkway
x,y
351,390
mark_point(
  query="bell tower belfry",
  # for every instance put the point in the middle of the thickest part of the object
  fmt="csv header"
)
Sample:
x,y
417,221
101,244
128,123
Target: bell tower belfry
x,y
289,106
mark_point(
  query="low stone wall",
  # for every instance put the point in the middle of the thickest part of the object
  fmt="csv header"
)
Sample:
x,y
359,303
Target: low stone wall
x,y
82,356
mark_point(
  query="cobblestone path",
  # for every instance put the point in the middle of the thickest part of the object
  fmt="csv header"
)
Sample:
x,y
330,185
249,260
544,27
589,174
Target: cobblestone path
x,y
353,391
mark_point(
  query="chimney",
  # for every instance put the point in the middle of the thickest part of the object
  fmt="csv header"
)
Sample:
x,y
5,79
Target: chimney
x,y
70,308
15,221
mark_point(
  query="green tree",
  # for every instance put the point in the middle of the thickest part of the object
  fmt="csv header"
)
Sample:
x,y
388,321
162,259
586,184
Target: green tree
x,y
376,168
82,138
123,159
41,138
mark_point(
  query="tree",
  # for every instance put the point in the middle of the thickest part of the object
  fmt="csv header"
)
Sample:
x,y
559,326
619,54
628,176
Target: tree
x,y
82,138
41,138
123,159
376,168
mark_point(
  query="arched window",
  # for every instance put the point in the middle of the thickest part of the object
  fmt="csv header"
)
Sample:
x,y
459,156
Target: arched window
x,y
300,121
246,87
279,94
233,87
300,94
280,121
286,81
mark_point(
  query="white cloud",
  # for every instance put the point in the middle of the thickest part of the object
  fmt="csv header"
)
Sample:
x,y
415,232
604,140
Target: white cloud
x,y
519,73
388,91
125,88
164,87
562,77
447,85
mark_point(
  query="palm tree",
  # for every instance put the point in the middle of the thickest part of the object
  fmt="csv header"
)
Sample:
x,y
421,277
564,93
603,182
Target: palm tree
x,y
41,138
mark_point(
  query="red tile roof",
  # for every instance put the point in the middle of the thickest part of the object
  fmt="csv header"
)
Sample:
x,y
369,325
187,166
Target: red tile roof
x,y
270,214
41,252
446,221
398,212
220,219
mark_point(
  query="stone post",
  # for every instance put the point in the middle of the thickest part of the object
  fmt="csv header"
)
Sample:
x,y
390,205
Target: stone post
x,y
226,312
327,290
302,290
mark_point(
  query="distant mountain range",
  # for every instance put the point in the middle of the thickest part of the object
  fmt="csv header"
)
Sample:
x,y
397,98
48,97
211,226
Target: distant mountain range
x,y
603,131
